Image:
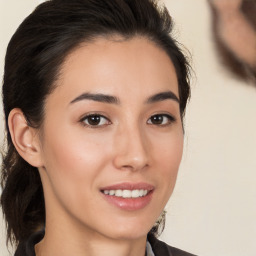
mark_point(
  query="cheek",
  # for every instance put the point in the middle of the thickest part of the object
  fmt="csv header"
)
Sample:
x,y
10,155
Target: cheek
x,y
168,155
73,169
72,158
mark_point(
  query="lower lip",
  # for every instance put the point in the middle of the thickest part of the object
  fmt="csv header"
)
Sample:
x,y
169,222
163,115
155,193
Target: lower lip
x,y
129,204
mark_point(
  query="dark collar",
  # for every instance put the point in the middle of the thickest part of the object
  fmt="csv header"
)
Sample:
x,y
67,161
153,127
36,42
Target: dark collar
x,y
162,249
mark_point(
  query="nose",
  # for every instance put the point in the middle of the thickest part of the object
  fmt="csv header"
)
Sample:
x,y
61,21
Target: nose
x,y
131,150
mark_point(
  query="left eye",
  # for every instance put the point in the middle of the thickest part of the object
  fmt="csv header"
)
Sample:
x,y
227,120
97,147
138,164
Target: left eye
x,y
161,119
95,120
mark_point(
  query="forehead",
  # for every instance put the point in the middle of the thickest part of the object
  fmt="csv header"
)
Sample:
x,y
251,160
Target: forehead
x,y
119,67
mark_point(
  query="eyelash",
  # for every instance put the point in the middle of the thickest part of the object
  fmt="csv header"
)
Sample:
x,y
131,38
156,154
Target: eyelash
x,y
169,121
94,115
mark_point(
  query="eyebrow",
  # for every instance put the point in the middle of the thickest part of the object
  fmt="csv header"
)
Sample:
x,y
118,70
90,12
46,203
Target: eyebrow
x,y
169,95
99,97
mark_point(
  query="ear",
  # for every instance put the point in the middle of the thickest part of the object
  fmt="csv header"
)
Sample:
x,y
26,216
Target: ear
x,y
25,138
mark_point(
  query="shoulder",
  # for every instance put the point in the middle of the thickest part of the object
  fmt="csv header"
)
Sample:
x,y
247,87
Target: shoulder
x,y
162,249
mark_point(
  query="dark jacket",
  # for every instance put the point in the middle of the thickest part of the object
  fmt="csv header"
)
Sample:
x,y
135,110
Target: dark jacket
x,y
159,248
162,249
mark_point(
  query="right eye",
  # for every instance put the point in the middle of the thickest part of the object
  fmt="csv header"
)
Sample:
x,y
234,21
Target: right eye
x,y
161,120
95,120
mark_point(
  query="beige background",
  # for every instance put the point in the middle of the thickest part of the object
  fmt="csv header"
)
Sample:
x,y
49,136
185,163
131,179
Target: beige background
x,y
213,208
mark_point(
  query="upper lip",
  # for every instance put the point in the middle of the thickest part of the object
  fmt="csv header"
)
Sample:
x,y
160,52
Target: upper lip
x,y
129,186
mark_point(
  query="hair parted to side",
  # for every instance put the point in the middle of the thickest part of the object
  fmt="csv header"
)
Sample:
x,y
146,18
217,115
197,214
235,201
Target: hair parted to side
x,y
33,61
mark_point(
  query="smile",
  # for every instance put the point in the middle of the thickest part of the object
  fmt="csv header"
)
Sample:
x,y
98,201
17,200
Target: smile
x,y
127,193
128,196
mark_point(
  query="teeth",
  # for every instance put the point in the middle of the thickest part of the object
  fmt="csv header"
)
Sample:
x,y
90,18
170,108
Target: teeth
x,y
126,193
111,192
136,193
118,193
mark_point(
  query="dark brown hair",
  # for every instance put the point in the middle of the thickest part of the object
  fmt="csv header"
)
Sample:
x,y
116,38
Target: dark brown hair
x,y
34,58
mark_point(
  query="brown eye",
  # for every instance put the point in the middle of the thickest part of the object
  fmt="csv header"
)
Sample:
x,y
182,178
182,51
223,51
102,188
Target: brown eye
x,y
157,119
161,119
95,120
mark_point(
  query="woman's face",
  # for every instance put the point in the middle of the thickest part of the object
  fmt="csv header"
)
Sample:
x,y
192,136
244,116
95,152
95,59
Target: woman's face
x,y
112,139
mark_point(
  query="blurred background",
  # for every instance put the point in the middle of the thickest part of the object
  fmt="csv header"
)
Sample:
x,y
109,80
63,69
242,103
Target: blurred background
x,y
213,208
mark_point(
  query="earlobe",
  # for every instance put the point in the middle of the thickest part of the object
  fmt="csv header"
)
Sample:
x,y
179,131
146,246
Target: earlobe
x,y
24,138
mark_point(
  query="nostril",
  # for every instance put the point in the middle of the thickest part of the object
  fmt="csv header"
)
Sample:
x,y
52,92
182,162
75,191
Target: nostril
x,y
136,166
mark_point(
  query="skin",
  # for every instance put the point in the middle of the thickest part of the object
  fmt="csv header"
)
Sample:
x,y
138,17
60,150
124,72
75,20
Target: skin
x,y
227,5
235,30
76,160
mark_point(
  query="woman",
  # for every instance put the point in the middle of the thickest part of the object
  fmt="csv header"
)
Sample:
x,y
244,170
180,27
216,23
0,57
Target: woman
x,y
94,95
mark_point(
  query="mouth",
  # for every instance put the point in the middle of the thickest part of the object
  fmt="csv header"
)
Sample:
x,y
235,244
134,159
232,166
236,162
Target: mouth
x,y
128,196
136,193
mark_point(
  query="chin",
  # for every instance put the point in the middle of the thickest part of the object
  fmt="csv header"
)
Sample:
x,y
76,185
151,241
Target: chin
x,y
130,231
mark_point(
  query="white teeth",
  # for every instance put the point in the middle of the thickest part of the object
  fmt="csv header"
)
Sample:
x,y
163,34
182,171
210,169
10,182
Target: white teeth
x,y
111,192
135,193
126,193
119,193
